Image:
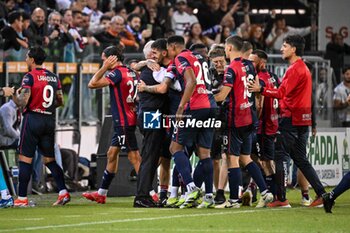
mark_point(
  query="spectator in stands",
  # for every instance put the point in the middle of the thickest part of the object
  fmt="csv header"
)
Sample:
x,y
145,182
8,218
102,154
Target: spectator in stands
x,y
134,27
59,37
116,34
322,91
121,11
23,6
195,36
281,30
10,120
231,20
6,8
14,42
63,4
37,31
155,24
225,32
180,19
341,99
95,14
211,8
256,37
126,38
78,5
79,42
335,51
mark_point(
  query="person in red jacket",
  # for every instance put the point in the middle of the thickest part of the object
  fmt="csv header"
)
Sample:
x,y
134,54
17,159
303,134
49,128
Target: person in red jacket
x,y
295,109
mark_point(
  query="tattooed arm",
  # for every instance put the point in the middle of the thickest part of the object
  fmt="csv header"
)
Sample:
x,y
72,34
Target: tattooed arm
x,y
161,88
23,95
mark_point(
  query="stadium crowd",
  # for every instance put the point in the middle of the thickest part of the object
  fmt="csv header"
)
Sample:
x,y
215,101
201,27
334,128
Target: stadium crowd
x,y
176,78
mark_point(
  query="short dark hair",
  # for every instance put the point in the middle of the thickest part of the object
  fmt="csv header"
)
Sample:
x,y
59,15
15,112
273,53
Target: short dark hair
x,y
246,46
279,18
132,16
105,17
159,44
176,40
236,41
38,54
114,51
217,51
196,46
296,41
260,53
74,13
13,16
25,15
118,8
346,68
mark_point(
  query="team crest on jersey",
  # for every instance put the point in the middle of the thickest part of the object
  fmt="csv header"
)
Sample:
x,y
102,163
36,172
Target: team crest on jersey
x,y
183,64
131,74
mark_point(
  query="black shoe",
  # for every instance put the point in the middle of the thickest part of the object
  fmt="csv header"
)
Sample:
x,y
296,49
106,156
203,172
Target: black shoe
x,y
144,202
327,202
162,201
220,197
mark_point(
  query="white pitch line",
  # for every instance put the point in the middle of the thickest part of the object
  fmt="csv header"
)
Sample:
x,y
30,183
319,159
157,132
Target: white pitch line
x,y
21,219
129,220
191,230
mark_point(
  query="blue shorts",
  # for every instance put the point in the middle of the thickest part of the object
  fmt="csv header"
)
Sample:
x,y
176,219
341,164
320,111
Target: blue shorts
x,y
265,146
239,140
38,131
125,138
193,136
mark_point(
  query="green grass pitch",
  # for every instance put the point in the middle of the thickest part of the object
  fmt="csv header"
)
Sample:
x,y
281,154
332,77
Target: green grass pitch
x,y
118,215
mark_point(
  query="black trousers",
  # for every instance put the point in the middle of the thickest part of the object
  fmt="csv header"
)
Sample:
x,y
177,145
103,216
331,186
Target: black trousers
x,y
152,146
291,142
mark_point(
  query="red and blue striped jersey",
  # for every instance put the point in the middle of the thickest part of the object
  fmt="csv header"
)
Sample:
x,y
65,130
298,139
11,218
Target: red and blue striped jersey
x,y
268,121
202,96
43,85
122,94
241,108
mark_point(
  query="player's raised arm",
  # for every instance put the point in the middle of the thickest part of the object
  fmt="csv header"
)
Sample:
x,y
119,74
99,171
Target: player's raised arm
x,y
98,81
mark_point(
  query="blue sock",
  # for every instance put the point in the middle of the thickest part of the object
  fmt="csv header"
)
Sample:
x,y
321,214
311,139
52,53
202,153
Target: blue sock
x,y
107,179
3,185
25,172
270,183
341,187
256,174
208,174
175,179
198,174
183,166
234,179
57,174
